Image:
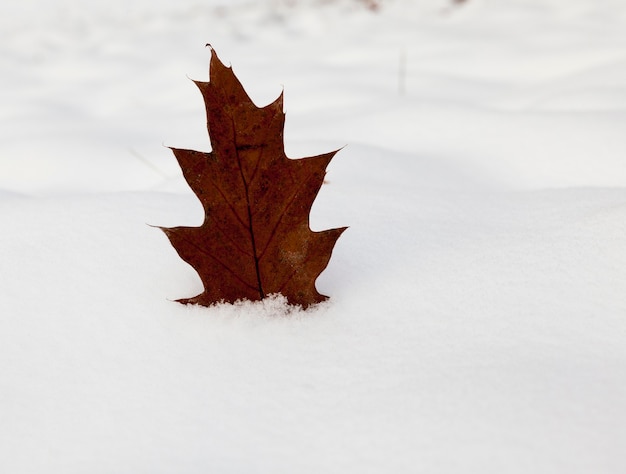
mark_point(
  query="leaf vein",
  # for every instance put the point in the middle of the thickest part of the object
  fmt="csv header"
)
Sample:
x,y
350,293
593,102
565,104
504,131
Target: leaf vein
x,y
220,262
274,231
228,203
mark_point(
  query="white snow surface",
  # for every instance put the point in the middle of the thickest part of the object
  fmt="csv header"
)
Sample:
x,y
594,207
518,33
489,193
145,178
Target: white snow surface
x,y
477,312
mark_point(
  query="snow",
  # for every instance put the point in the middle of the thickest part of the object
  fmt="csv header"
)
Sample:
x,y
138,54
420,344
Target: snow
x,y
477,316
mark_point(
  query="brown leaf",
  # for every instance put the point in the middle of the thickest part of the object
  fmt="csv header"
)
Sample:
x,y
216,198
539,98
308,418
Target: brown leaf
x,y
255,239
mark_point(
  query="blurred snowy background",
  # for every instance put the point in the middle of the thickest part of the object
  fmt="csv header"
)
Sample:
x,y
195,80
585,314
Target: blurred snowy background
x,y
477,320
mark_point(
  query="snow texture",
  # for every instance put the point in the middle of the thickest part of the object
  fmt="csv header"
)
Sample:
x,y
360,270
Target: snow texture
x,y
477,320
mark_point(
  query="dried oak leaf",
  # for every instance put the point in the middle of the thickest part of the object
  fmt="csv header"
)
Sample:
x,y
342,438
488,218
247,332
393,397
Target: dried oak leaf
x,y
255,239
